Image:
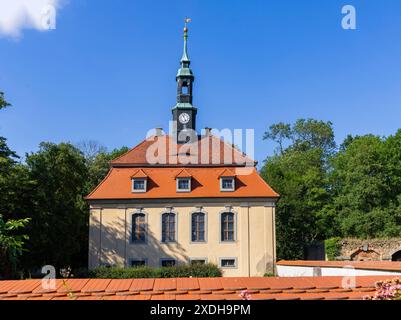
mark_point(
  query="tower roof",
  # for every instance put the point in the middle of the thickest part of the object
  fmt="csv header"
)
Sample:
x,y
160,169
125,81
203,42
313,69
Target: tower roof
x,y
184,70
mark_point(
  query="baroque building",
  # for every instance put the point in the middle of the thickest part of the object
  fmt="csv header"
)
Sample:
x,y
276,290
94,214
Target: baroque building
x,y
184,198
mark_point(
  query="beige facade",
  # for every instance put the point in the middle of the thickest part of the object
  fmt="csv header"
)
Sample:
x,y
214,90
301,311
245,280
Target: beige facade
x,y
253,247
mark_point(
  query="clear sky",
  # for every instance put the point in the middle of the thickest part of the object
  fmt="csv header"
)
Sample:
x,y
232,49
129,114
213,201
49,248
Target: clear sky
x,y
107,72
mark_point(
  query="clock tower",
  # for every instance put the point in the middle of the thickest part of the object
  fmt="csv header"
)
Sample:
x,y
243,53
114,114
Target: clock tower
x,y
184,113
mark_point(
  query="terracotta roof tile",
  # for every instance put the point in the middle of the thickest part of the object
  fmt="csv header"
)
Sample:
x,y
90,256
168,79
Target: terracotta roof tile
x,y
227,173
162,184
118,285
297,288
139,174
188,284
183,174
142,285
95,285
209,150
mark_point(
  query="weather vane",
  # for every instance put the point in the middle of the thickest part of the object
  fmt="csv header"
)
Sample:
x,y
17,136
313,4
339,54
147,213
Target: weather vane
x,y
187,20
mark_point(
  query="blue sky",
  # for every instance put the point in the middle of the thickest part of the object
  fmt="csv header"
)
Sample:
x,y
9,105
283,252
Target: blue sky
x,y
107,72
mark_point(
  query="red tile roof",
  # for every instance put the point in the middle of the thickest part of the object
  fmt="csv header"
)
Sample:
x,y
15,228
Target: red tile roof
x,y
227,173
295,288
208,150
139,174
161,184
367,265
183,174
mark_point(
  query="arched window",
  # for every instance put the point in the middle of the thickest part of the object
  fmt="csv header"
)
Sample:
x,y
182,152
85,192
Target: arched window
x,y
138,227
227,226
168,227
198,227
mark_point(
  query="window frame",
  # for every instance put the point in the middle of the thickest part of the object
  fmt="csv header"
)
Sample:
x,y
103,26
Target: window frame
x,y
226,189
145,185
137,213
145,260
228,258
168,259
175,227
178,189
234,226
204,226
191,260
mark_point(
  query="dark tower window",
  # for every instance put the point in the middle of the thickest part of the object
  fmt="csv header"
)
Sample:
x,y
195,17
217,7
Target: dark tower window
x,y
184,90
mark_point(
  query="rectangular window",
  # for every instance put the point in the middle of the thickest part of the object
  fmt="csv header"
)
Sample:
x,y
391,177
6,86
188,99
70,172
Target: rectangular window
x,y
183,184
228,263
135,263
198,227
227,184
227,226
198,261
168,227
167,262
138,227
139,185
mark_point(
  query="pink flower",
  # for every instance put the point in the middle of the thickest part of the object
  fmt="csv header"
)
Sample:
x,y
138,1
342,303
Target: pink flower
x,y
245,295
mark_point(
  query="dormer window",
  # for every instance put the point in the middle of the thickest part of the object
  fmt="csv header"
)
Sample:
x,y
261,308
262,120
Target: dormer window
x,y
227,180
183,179
183,184
139,184
227,184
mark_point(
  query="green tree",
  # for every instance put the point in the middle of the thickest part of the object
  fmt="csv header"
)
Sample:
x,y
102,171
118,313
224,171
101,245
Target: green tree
x,y
3,102
365,181
59,228
11,245
298,172
99,166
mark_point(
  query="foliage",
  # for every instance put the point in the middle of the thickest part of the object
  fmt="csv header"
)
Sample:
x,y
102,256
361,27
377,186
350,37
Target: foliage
x,y
59,214
354,191
332,248
387,290
298,173
3,102
365,180
181,271
268,275
11,244
99,165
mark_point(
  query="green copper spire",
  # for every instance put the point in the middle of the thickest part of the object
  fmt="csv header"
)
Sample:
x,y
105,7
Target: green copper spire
x,y
184,113
185,60
184,70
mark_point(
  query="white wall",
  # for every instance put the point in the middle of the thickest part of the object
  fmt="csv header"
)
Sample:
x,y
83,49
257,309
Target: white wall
x,y
301,271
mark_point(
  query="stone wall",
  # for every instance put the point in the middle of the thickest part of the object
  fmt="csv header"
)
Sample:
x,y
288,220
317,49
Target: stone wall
x,y
372,249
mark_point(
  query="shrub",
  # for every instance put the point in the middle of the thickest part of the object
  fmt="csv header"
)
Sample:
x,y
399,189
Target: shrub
x,y
333,248
181,271
269,274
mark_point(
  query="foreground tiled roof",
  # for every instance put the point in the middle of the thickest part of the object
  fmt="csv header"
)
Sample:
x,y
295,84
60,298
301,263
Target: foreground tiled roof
x,y
162,184
305,288
367,265
209,150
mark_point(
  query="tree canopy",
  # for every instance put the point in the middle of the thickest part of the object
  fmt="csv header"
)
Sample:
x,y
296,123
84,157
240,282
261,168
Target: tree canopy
x,y
350,191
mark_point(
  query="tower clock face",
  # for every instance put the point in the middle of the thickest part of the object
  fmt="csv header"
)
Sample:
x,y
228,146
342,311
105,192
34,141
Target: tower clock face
x,y
184,118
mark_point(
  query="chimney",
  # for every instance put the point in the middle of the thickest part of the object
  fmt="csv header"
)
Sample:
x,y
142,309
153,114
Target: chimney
x,y
159,132
208,131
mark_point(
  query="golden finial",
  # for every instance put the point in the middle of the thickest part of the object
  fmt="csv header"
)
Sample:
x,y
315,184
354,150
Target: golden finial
x,y
187,20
